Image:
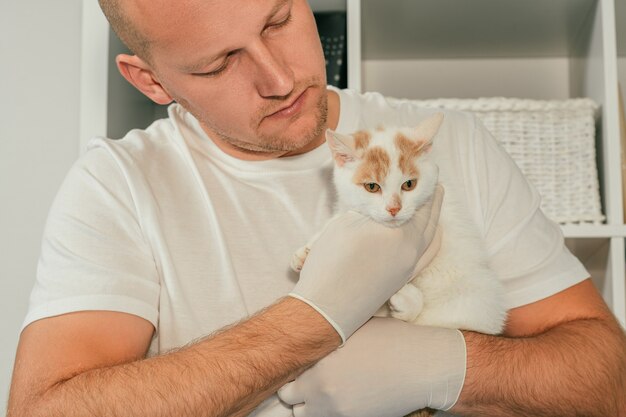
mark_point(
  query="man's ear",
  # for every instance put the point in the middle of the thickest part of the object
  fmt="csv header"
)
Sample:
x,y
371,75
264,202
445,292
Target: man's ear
x,y
139,74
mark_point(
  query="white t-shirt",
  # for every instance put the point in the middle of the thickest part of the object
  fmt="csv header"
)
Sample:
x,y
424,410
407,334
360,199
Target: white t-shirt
x,y
164,225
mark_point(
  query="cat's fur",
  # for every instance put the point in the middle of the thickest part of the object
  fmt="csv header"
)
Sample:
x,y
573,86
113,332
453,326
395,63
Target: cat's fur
x,y
457,289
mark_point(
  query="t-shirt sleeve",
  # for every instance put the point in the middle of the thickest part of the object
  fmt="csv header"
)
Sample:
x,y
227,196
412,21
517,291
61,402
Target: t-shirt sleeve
x,y
526,249
93,253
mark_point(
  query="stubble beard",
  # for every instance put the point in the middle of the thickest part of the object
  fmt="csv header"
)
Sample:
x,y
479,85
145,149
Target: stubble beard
x,y
272,143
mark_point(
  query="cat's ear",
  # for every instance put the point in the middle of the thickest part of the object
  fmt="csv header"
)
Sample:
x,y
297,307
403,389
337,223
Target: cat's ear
x,y
342,147
427,129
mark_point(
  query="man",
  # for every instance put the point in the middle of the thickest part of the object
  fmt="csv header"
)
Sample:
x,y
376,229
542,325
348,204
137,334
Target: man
x,y
182,229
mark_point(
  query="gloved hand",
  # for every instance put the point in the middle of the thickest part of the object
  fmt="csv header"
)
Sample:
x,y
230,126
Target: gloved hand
x,y
388,368
356,264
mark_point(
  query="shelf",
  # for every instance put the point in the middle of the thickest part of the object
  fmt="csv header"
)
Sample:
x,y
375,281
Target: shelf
x,y
594,231
327,5
477,28
620,20
587,250
536,49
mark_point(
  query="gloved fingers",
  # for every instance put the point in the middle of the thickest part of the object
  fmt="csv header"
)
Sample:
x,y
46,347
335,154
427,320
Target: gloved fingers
x,y
348,218
290,394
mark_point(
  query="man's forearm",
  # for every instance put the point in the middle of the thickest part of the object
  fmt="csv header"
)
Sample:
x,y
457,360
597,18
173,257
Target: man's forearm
x,y
226,374
575,369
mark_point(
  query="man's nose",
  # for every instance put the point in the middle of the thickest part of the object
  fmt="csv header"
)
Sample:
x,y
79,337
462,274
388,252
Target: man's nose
x,y
272,77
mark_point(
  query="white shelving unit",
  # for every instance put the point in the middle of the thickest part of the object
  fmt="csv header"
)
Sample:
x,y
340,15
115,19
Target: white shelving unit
x,y
448,48
422,49
620,21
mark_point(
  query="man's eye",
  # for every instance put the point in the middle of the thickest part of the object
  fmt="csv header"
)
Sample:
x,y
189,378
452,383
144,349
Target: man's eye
x,y
215,72
221,69
282,23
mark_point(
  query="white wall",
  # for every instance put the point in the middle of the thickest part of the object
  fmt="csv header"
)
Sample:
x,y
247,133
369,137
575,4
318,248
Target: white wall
x,y
39,75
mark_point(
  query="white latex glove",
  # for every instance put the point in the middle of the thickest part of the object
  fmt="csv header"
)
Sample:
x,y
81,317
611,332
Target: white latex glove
x,y
388,368
356,264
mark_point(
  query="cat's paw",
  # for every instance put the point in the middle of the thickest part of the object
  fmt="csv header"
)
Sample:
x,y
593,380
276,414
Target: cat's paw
x,y
407,303
297,261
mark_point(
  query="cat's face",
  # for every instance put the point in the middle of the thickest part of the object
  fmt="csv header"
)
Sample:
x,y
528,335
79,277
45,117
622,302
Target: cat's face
x,y
385,173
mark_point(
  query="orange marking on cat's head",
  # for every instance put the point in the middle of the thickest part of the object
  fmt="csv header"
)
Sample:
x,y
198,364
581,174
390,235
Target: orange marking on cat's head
x,y
361,139
380,128
374,166
409,150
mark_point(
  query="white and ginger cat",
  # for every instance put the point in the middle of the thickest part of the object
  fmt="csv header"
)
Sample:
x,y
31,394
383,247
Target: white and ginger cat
x,y
387,174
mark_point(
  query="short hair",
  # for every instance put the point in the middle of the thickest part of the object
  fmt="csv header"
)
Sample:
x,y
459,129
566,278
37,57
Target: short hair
x,y
125,29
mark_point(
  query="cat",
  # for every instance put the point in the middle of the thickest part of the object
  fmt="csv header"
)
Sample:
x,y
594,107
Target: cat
x,y
387,174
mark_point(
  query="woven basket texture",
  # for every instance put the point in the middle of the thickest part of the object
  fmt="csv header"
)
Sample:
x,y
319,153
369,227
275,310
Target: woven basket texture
x,y
553,143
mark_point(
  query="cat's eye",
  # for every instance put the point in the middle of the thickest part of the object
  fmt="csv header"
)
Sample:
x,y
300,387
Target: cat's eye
x,y
409,185
372,187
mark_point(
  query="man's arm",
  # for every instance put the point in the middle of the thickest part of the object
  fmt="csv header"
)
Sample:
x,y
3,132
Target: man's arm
x,y
82,363
225,374
562,356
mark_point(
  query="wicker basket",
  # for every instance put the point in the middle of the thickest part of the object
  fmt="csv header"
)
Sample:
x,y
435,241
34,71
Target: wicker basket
x,y
553,143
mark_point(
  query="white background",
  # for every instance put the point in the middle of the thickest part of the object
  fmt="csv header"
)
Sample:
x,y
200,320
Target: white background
x,y
39,110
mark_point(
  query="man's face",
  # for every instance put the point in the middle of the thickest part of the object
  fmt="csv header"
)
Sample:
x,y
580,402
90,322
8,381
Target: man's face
x,y
252,71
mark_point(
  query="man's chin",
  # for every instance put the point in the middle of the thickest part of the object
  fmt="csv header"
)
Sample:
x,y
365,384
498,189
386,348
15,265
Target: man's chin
x,y
289,145
294,138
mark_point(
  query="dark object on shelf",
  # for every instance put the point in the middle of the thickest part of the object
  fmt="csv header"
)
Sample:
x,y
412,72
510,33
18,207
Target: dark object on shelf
x,y
332,30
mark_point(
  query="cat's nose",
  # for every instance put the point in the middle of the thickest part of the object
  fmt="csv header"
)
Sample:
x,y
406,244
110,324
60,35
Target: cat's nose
x,y
393,210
